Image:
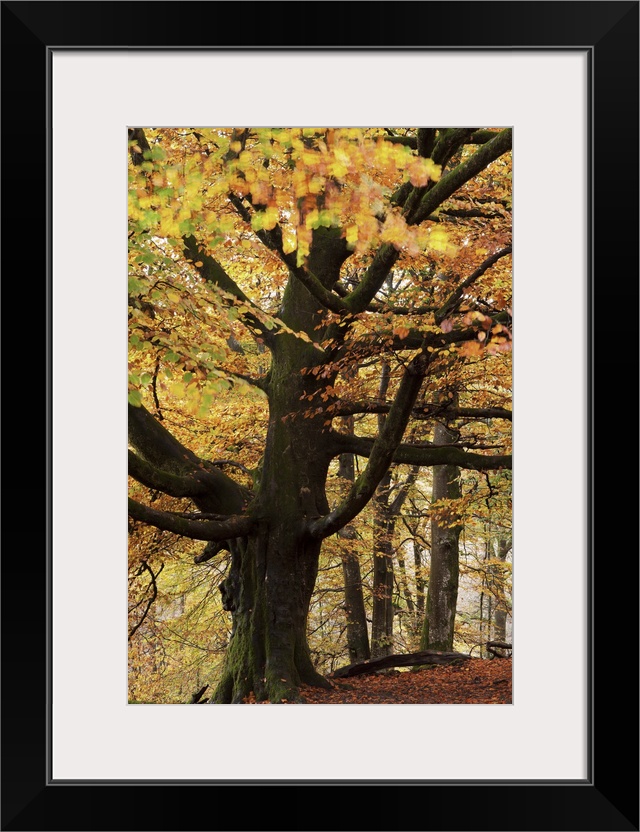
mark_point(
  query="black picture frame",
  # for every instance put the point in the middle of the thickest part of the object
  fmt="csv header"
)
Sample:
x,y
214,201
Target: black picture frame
x,y
608,799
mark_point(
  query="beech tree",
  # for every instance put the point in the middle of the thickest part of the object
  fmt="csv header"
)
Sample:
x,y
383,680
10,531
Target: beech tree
x,y
259,261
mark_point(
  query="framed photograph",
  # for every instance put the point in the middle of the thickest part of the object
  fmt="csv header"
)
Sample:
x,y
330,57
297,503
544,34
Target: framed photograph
x,y
563,77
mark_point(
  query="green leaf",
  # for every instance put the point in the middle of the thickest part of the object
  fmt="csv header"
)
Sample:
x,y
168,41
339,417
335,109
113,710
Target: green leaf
x,y
151,218
135,398
187,227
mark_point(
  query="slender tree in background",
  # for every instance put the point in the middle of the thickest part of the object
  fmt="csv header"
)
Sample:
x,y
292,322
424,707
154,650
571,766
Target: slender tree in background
x,y
283,240
501,605
357,631
442,595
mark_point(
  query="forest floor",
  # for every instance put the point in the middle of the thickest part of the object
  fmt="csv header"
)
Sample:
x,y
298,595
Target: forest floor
x,y
476,681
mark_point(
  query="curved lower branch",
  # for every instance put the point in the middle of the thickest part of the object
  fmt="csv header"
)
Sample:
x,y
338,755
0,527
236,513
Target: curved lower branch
x,y
236,526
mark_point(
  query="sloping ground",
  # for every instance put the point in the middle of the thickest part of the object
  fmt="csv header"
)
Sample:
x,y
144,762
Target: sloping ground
x,y
477,681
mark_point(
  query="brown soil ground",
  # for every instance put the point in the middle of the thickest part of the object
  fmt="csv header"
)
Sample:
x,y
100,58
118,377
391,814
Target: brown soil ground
x,y
476,681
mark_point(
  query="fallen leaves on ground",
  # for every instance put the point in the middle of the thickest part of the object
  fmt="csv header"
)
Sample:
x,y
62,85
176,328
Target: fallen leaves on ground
x,y
476,681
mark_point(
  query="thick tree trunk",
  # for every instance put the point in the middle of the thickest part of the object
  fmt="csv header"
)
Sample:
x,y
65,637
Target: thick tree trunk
x,y
274,571
268,594
442,595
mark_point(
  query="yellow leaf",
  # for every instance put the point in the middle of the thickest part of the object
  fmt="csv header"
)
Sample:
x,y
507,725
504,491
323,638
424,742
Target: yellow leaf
x,y
422,170
316,185
289,242
338,169
270,218
311,220
439,241
470,349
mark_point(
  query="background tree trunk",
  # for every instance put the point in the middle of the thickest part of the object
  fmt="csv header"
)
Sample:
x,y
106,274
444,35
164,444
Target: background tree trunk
x,y
442,595
501,609
382,624
357,632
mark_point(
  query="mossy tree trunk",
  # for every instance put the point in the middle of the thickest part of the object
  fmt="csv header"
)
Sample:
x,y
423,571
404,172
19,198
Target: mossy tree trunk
x,y
277,566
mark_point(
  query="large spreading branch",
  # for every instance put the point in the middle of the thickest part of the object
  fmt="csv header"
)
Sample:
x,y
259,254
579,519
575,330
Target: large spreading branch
x,y
455,298
212,272
156,445
386,256
381,451
156,478
449,142
416,338
425,456
164,463
479,137
461,174
424,411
